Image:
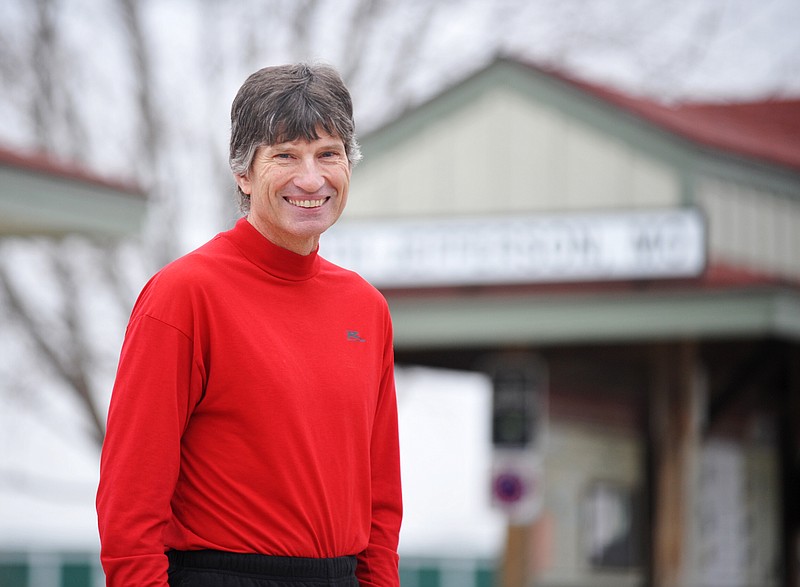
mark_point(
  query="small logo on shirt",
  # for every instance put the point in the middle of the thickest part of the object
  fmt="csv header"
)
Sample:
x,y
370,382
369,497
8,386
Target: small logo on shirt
x,y
354,336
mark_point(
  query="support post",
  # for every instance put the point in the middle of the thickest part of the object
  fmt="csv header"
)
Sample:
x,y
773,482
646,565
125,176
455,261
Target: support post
x,y
515,565
674,431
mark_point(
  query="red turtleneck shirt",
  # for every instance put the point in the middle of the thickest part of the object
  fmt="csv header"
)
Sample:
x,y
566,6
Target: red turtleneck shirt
x,y
253,411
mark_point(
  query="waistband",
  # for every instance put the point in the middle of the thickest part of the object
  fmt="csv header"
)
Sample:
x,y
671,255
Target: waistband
x,y
260,564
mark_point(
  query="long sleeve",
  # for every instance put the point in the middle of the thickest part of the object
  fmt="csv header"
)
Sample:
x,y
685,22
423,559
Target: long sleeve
x,y
155,388
378,564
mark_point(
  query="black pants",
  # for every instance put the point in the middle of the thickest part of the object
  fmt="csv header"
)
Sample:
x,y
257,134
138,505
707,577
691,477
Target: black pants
x,y
212,568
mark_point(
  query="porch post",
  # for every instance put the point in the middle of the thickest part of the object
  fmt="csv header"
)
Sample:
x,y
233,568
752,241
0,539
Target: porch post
x,y
674,432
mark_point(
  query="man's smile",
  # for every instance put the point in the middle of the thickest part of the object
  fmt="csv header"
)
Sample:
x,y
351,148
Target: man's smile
x,y
310,203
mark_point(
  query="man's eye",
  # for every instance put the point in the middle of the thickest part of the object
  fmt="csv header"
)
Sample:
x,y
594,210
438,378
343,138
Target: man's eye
x,y
283,156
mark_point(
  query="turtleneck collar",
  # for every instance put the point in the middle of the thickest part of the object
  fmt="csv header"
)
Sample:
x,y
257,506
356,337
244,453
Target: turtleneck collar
x,y
269,257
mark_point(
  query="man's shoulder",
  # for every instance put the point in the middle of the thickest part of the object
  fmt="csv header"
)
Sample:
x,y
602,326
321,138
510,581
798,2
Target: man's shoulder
x,y
178,291
191,271
196,263
351,281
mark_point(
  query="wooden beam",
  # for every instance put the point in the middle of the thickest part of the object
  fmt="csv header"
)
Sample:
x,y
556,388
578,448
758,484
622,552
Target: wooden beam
x,y
673,436
514,570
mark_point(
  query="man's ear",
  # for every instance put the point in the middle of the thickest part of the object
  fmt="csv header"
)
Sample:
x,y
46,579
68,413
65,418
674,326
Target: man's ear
x,y
243,181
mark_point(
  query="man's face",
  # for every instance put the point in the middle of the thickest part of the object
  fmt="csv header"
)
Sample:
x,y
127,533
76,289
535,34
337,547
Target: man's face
x,y
297,190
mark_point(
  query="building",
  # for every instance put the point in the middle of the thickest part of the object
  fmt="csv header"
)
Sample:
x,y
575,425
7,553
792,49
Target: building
x,y
672,364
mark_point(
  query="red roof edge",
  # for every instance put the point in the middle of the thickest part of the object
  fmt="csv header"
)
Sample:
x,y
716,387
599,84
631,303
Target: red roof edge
x,y
44,164
767,130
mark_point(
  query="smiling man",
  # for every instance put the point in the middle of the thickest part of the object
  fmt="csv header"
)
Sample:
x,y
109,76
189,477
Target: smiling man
x,y
297,190
252,433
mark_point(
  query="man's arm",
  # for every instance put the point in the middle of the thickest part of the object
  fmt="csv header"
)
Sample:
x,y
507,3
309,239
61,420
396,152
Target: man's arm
x,y
378,564
141,452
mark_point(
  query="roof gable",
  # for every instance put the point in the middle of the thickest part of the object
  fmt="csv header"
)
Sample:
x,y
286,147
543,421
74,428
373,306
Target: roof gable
x,y
510,139
765,131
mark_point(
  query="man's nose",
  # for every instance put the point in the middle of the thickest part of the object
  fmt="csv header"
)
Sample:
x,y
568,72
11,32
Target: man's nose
x,y
309,177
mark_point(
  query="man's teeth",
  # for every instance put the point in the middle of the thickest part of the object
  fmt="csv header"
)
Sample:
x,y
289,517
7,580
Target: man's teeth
x,y
307,203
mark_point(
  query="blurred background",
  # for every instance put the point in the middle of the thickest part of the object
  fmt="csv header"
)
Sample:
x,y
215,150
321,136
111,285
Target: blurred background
x,y
585,216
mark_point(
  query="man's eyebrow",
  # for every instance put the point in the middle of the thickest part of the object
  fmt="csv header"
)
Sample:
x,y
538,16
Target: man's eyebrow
x,y
334,146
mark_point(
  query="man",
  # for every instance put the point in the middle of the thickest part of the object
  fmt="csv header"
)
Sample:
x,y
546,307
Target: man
x,y
252,432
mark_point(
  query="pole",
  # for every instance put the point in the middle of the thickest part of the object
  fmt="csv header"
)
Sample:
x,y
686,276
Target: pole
x,y
515,566
674,434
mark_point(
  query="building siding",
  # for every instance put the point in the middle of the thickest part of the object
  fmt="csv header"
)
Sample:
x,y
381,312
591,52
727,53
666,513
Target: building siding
x,y
503,153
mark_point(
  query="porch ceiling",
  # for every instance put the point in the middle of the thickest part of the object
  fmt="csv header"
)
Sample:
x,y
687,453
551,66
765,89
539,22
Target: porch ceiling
x,y
436,321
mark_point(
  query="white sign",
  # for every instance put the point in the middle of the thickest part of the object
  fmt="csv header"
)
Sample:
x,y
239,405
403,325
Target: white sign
x,y
517,485
643,244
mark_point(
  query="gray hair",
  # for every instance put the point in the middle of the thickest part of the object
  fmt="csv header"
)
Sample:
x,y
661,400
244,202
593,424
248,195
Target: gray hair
x,y
285,103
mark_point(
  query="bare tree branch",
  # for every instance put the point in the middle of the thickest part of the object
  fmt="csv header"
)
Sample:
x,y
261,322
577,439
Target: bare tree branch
x,y
408,55
151,159
44,54
300,23
148,120
365,14
666,70
70,363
